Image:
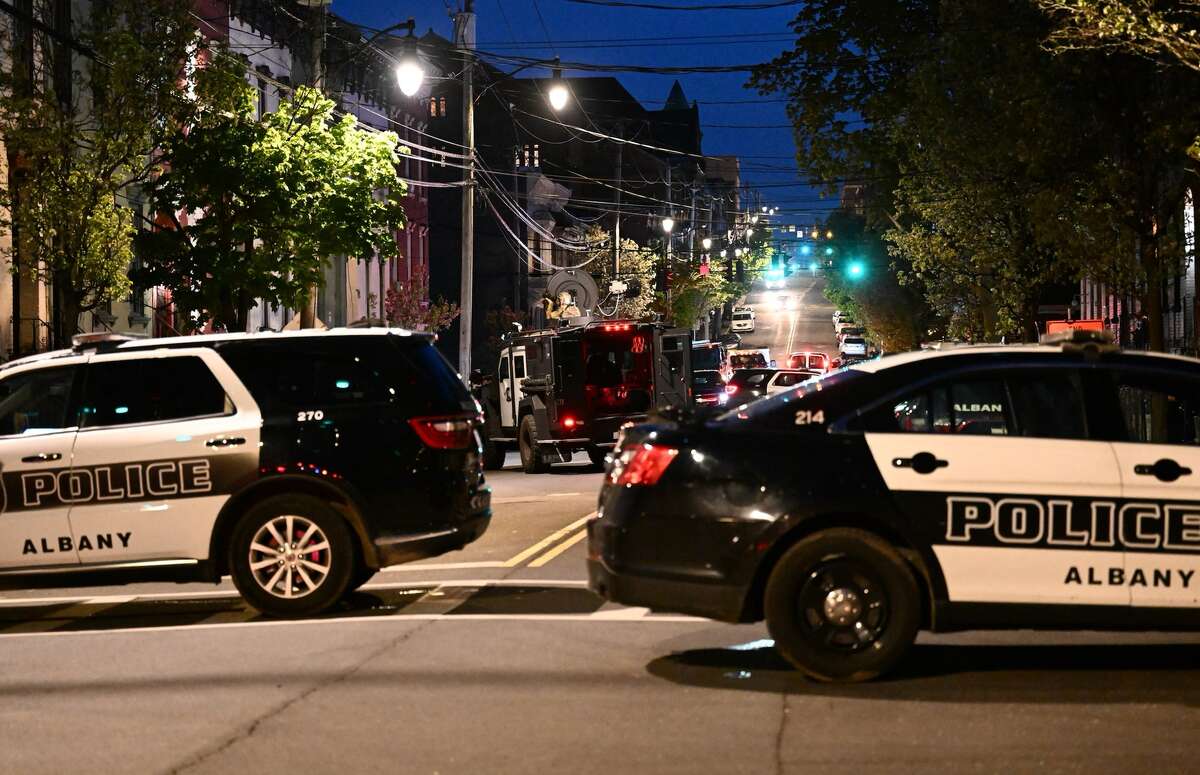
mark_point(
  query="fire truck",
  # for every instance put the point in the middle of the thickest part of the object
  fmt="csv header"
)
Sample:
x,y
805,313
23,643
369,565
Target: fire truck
x,y
560,391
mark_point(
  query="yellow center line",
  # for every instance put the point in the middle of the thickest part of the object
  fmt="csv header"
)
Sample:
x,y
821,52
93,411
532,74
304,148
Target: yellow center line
x,y
564,546
547,541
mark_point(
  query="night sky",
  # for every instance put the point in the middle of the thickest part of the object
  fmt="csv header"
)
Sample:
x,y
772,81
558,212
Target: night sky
x,y
685,38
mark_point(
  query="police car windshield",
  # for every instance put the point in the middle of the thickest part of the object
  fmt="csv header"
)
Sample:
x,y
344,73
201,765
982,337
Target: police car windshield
x,y
832,393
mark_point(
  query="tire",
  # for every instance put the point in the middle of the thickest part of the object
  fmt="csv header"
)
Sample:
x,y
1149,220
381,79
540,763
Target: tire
x,y
493,456
312,520
531,456
823,635
597,457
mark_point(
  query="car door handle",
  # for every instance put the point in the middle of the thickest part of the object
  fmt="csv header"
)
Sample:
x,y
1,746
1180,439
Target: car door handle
x,y
42,457
922,462
1165,470
225,441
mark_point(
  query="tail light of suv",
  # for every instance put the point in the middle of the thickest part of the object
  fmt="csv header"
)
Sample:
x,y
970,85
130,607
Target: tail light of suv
x,y
447,432
642,464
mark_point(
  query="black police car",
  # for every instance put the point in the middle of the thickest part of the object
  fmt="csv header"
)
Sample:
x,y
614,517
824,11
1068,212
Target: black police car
x,y
977,487
299,463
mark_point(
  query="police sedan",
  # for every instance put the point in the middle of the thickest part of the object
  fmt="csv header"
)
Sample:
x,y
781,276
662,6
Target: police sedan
x,y
1048,486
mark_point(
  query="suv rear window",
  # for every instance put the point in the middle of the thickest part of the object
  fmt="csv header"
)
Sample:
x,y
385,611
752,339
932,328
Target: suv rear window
x,y
327,372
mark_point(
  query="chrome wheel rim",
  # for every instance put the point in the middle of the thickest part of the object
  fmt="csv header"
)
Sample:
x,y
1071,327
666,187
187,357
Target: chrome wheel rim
x,y
290,557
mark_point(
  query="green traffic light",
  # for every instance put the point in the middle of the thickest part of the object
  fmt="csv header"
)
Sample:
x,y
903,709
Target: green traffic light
x,y
855,269
829,251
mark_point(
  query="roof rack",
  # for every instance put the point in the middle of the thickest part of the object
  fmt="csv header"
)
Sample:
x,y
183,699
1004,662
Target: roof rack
x,y
101,340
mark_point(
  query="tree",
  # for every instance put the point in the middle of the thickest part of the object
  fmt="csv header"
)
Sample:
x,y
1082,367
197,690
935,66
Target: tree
x,y
408,305
886,298
997,169
273,197
78,131
638,265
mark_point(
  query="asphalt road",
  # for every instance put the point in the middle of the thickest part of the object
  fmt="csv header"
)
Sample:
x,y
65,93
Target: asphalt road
x,y
796,318
496,659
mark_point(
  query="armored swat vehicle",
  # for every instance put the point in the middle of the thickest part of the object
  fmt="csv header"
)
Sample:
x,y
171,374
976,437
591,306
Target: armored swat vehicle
x,y
556,392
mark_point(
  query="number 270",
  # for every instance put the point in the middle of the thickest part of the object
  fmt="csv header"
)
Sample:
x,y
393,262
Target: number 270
x,y
311,415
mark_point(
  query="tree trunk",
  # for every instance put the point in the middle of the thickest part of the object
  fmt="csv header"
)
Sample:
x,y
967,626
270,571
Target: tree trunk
x,y
1152,305
66,308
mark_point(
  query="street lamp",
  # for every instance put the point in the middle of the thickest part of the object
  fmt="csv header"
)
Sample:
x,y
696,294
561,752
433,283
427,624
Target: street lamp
x,y
409,73
668,224
829,235
754,218
558,94
707,243
749,233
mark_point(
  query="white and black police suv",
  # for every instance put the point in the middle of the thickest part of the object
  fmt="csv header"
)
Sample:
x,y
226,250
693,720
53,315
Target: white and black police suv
x,y
298,463
1053,486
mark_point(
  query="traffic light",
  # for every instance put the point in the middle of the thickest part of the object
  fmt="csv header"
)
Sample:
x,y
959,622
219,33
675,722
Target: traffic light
x,y
855,269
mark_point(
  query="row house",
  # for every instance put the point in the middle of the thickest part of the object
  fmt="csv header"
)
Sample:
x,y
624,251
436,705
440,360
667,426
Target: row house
x,y
271,36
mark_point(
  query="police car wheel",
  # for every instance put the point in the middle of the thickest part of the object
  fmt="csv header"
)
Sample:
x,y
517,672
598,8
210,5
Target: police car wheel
x,y
842,605
292,555
531,458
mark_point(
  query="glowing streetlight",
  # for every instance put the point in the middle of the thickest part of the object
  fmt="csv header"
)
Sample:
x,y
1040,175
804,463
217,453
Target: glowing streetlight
x,y
410,75
829,235
754,218
668,224
815,234
749,233
558,93
707,243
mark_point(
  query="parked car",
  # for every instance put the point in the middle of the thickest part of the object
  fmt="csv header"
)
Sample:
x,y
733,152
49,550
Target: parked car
x,y
809,360
708,388
742,321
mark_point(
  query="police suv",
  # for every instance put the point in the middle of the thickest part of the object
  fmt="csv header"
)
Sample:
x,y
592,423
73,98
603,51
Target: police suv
x,y
1053,486
299,463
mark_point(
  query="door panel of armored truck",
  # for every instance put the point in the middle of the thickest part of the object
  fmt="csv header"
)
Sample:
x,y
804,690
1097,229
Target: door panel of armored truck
x,y
568,375
673,367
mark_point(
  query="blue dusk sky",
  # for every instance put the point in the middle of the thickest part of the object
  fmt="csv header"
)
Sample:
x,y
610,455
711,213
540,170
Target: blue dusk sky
x,y
735,120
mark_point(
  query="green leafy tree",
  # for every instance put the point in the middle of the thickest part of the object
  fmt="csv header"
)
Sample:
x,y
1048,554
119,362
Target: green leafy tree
x,y
638,266
269,199
78,131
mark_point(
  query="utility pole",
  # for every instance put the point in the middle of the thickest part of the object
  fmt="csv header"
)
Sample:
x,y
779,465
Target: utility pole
x,y
316,52
617,215
464,40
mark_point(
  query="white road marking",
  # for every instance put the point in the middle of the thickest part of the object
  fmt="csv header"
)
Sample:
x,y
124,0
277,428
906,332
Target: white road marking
x,y
442,566
534,498
564,546
393,619
230,593
621,614
547,541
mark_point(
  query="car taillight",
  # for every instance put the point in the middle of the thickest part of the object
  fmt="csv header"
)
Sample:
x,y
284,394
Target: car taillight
x,y
443,432
643,464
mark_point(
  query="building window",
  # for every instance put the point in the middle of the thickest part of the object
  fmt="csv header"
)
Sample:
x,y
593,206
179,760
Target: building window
x,y
437,107
528,156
